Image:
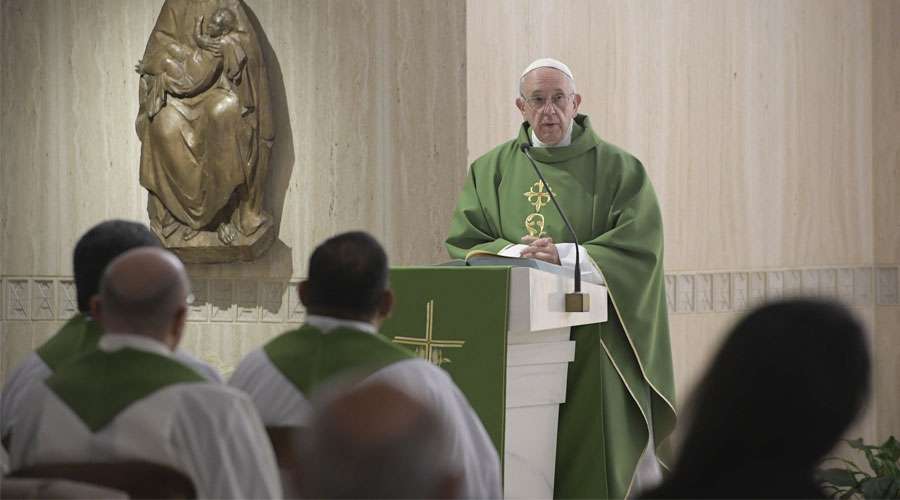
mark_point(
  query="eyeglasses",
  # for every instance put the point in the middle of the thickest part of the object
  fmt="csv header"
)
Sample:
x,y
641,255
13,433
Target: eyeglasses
x,y
559,101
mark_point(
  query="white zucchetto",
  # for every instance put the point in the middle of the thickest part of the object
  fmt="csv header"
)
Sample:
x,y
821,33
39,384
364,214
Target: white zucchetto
x,y
547,62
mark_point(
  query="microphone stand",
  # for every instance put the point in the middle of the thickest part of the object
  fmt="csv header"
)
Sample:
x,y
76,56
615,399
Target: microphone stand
x,y
577,301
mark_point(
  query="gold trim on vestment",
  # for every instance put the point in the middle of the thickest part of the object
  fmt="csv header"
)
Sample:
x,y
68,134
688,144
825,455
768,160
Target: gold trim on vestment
x,y
650,434
641,410
630,343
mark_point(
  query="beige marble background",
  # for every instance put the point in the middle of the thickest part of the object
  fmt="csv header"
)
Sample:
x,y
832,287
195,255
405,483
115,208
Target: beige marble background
x,y
769,129
886,168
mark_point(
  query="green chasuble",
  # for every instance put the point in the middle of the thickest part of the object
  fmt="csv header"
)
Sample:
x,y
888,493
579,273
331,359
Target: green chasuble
x,y
99,385
78,336
307,356
621,379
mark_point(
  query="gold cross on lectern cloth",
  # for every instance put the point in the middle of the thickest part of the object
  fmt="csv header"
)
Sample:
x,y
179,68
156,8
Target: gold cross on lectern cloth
x,y
427,348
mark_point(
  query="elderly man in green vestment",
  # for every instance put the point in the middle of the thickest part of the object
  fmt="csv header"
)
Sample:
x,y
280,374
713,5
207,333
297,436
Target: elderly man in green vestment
x,y
619,406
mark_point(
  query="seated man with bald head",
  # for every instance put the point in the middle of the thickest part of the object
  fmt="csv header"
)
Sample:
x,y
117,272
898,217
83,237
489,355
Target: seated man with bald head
x,y
93,252
399,450
132,399
346,296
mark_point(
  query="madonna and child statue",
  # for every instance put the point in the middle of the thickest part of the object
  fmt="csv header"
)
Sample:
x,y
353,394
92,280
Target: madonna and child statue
x,y
206,130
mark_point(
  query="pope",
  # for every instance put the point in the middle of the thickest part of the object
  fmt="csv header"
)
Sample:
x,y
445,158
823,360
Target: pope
x,y
620,400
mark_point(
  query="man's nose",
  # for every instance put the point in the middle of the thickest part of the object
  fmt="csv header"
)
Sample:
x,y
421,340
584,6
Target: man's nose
x,y
549,108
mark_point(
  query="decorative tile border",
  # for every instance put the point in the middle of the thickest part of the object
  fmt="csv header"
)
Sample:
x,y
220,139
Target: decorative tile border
x,y
17,299
689,293
270,301
68,298
887,286
43,299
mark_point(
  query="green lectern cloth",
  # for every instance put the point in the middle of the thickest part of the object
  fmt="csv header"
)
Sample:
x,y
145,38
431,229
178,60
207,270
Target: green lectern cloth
x,y
456,317
621,384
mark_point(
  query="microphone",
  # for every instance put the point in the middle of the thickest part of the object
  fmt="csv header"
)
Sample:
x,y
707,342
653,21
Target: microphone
x,y
576,301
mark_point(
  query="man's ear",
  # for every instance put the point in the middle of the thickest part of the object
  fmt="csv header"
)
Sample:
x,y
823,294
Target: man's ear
x,y
177,331
303,293
577,101
96,308
520,103
386,304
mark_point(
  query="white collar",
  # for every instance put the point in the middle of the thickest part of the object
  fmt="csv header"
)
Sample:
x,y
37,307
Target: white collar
x,y
328,323
114,341
566,140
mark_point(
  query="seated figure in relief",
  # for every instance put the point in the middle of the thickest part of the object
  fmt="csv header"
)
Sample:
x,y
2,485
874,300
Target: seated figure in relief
x,y
205,122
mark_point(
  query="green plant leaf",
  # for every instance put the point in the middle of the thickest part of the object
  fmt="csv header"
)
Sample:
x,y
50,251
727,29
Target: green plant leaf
x,y
884,461
846,462
874,463
891,449
856,443
849,493
838,477
880,487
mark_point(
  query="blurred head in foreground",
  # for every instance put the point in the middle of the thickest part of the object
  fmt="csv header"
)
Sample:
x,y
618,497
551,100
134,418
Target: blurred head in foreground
x,y
375,441
788,381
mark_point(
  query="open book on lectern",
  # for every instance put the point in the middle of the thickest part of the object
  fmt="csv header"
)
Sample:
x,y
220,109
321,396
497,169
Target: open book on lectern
x,y
482,258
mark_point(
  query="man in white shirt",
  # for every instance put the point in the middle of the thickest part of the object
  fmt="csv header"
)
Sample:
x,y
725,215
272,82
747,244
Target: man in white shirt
x,y
93,252
346,296
131,398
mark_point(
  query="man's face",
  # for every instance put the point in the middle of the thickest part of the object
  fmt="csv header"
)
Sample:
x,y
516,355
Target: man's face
x,y
548,103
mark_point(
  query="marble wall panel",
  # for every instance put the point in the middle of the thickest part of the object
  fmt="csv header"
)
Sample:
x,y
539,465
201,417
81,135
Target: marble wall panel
x,y
886,205
885,123
886,344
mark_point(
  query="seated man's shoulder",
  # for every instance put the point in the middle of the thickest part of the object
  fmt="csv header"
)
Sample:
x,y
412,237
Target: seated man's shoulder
x,y
30,369
203,368
249,370
415,376
209,398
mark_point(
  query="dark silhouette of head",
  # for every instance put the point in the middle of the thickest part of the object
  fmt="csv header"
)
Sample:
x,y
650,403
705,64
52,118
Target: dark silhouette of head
x,y
786,384
98,247
348,278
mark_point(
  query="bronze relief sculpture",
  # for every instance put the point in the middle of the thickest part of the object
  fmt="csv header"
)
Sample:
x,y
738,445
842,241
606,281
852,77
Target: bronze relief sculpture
x,y
206,130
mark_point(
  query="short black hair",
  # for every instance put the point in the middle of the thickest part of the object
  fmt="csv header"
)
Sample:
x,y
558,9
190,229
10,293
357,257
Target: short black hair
x,y
348,272
98,247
